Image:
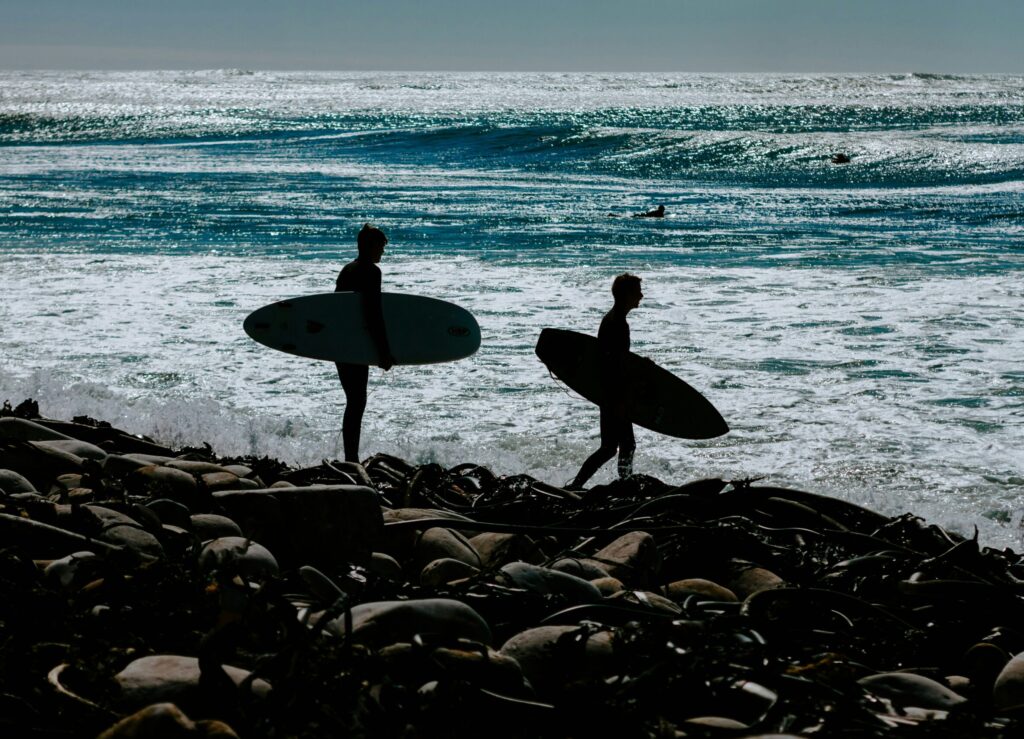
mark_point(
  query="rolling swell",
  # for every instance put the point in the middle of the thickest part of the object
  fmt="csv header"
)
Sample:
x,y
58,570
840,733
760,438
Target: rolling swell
x,y
787,146
758,158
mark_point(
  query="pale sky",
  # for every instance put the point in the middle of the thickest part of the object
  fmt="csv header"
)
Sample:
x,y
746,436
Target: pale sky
x,y
944,36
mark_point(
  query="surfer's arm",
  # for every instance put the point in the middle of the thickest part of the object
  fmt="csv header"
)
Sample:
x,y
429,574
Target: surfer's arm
x,y
613,369
374,312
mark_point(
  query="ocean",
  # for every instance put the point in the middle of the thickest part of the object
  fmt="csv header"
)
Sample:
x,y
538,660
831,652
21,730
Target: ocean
x,y
859,325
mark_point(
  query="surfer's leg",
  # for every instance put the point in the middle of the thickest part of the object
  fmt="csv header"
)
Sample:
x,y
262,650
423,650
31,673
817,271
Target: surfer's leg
x,y
592,465
627,445
609,445
354,378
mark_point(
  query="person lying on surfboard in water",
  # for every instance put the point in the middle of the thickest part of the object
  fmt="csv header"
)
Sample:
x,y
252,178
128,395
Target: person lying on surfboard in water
x,y
658,212
616,428
362,275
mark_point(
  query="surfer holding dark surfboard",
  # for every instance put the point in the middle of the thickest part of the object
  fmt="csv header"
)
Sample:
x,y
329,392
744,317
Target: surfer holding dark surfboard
x,y
362,275
613,341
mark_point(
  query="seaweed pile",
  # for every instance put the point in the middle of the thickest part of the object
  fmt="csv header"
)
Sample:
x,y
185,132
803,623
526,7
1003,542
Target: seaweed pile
x,y
146,591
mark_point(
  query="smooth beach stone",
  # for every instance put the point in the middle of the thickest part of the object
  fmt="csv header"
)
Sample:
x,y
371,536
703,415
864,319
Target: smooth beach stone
x,y
587,569
399,543
246,556
118,465
82,449
166,721
164,482
441,543
550,657
28,497
647,600
131,536
21,429
12,483
39,540
548,582
39,464
445,570
480,665
215,481
109,516
74,570
983,662
392,515
908,689
171,678
608,585
632,558
388,622
959,683
79,496
386,566
283,484
320,525
238,470
194,467
170,512
753,580
148,459
1008,692
88,520
680,590
208,526
717,722
66,482
498,549
175,538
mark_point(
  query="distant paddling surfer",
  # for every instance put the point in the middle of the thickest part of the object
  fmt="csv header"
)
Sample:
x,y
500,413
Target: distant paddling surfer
x,y
658,212
362,275
613,341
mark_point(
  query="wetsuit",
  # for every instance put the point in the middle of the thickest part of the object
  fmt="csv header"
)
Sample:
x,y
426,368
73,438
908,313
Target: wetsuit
x,y
361,277
616,429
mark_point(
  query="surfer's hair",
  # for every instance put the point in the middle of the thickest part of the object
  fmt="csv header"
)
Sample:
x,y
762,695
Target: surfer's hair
x,y
625,284
369,237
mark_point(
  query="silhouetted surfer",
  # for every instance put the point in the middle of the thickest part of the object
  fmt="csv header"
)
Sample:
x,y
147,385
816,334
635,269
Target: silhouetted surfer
x,y
362,275
658,212
613,339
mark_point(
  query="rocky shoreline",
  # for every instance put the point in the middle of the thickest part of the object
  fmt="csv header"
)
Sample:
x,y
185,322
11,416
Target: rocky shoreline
x,y
148,591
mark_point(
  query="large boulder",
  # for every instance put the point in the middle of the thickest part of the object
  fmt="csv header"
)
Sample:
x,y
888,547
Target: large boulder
x,y
319,525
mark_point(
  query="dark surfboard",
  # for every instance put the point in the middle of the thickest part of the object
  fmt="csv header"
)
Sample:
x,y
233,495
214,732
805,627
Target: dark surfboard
x,y
656,399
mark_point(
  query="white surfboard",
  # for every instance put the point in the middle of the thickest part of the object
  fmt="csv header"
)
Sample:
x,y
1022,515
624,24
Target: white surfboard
x,y
332,326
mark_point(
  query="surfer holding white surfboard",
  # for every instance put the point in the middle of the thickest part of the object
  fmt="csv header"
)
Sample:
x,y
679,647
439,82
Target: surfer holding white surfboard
x,y
358,326
362,275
